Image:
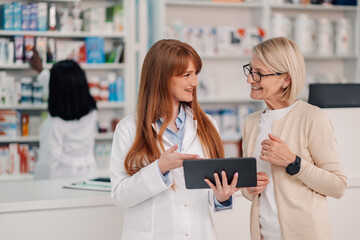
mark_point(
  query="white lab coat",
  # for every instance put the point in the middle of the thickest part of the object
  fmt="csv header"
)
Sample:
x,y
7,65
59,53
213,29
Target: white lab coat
x,y
67,148
153,210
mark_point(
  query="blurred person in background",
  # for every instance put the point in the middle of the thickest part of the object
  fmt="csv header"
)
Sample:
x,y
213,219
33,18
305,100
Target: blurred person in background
x,y
67,135
294,144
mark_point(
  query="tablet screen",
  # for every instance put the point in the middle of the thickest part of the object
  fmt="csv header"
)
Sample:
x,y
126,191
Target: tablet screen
x,y
195,171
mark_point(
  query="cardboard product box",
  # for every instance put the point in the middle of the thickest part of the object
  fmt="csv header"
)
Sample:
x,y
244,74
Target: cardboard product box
x,y
17,15
6,17
95,50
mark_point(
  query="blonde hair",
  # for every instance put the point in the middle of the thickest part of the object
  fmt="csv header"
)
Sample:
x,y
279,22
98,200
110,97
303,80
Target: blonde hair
x,y
283,55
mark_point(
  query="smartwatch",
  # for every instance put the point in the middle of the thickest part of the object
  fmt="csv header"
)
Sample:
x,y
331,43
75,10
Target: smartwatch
x,y
294,167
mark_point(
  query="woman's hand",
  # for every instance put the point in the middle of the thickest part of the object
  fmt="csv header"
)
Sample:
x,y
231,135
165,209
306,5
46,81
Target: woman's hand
x,y
36,62
170,159
275,151
262,181
223,191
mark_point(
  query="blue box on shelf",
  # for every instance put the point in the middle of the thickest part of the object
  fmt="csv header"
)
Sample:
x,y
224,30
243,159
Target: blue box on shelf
x,y
95,50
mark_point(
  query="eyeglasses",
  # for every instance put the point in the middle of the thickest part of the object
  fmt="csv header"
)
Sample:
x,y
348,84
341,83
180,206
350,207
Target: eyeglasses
x,y
256,76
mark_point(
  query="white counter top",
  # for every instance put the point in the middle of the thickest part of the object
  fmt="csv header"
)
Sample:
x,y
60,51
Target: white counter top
x,y
47,194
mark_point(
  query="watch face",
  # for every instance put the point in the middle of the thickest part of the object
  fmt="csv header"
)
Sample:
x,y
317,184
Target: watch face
x,y
293,169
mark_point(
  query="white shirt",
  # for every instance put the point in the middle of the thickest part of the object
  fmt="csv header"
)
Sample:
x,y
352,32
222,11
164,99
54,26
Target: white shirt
x,y
269,222
67,148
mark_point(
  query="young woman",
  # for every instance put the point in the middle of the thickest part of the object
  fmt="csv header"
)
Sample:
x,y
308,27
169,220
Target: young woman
x,y
67,136
149,147
294,144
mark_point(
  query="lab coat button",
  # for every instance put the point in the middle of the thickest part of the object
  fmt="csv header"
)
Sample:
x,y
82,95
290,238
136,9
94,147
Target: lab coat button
x,y
186,235
185,205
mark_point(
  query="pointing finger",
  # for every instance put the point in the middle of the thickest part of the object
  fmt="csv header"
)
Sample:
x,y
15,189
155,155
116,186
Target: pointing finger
x,y
186,156
172,149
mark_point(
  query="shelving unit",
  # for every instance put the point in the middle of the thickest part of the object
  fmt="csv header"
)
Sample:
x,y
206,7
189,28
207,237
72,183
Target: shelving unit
x,y
100,105
35,139
85,66
135,39
259,13
215,4
59,34
226,68
312,7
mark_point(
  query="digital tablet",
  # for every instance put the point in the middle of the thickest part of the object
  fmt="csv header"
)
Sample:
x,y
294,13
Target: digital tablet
x,y
195,171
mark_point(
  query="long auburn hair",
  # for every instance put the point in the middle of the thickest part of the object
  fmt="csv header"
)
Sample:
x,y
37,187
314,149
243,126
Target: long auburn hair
x,y
165,59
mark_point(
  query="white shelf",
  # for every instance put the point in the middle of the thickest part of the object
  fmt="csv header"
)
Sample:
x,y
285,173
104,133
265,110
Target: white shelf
x,y
100,105
85,66
225,57
19,139
35,139
25,107
313,7
306,57
57,34
329,58
214,4
226,101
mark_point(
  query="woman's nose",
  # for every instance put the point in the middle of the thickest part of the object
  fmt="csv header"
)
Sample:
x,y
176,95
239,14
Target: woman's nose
x,y
250,79
195,81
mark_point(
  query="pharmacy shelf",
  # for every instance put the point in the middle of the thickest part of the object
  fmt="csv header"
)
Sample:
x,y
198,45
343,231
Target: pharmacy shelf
x,y
227,101
57,34
306,57
225,57
329,58
100,105
35,139
85,66
25,107
313,7
19,139
214,4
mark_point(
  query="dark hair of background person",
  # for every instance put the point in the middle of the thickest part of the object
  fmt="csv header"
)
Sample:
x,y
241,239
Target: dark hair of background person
x,y
69,94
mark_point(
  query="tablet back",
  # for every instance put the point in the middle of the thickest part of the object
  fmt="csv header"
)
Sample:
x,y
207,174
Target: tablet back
x,y
195,171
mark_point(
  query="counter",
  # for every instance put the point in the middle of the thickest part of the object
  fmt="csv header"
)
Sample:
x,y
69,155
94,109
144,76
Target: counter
x,y
44,210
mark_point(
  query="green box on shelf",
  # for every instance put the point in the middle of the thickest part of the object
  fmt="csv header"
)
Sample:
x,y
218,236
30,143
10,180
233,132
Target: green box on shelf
x,y
115,17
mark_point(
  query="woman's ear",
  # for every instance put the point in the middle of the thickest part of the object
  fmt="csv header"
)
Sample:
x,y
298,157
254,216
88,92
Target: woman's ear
x,y
286,82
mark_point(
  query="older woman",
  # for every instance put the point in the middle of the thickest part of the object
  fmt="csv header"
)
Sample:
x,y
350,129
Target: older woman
x,y
294,144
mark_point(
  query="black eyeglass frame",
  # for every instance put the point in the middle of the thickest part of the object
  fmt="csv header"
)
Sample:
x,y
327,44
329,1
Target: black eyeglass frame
x,y
247,67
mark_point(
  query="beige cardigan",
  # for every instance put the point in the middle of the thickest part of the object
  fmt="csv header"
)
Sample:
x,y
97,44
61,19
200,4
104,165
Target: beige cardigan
x,y
300,199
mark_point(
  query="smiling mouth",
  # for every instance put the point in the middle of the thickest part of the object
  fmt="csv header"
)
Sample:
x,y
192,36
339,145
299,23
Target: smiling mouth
x,y
189,90
256,88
